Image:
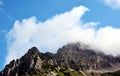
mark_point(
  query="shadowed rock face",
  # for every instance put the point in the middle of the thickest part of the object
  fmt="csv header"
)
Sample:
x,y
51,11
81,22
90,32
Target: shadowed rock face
x,y
81,57
29,63
75,55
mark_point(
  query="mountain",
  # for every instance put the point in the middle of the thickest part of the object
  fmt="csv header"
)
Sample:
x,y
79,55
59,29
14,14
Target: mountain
x,y
73,59
29,63
81,57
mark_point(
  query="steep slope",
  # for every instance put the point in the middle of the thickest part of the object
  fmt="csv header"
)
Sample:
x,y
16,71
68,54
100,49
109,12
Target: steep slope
x,y
34,63
27,64
81,57
73,59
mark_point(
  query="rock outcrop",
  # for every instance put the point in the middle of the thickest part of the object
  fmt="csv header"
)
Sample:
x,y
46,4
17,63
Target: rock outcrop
x,y
76,56
81,57
27,64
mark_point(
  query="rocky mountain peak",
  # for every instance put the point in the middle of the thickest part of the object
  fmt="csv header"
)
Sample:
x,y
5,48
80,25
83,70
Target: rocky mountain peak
x,y
31,55
27,64
81,57
33,50
76,56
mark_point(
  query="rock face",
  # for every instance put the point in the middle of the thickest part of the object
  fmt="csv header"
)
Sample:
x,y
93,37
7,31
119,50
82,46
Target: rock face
x,y
74,55
27,64
81,57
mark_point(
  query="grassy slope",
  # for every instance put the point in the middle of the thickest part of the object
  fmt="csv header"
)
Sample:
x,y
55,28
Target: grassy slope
x,y
60,71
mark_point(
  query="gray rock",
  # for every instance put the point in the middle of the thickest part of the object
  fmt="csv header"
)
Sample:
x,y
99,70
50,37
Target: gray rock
x,y
74,55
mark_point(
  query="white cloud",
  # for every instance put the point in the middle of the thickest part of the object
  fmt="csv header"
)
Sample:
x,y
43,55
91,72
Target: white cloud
x,y
58,31
115,4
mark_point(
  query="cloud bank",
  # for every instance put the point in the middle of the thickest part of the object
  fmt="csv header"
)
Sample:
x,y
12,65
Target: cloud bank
x,y
115,4
58,31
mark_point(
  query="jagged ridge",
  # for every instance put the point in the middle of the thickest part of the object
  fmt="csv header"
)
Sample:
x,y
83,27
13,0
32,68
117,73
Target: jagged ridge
x,y
74,55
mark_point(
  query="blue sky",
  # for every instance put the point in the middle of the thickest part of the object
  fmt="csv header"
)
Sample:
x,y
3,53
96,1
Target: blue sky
x,y
103,12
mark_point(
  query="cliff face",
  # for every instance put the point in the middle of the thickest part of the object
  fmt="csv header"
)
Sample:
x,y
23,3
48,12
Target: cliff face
x,y
29,63
81,57
75,56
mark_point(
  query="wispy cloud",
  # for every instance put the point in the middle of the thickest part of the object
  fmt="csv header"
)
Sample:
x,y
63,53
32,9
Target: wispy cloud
x,y
115,4
59,30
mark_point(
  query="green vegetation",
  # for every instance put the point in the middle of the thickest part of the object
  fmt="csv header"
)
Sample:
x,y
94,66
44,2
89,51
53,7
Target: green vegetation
x,y
34,75
117,73
59,71
64,71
